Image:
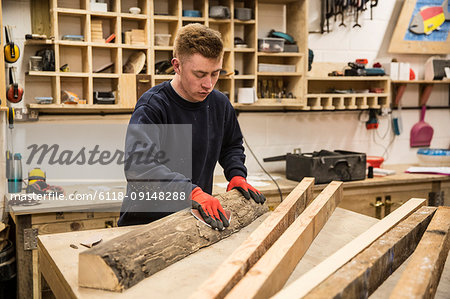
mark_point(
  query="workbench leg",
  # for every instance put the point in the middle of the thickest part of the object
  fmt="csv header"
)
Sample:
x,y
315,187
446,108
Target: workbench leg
x,y
24,259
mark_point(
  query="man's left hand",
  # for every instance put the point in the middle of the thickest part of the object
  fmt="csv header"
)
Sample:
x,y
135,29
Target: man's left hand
x,y
240,183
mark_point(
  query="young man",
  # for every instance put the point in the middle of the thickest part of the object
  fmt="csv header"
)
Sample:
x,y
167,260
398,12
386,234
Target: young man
x,y
190,98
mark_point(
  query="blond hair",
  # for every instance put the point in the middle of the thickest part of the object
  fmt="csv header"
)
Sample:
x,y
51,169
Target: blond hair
x,y
197,38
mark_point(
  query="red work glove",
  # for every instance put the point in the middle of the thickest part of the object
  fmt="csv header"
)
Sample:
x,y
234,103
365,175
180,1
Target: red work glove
x,y
210,209
240,183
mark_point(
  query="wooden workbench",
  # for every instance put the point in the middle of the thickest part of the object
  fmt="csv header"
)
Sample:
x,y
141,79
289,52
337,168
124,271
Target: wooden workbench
x,y
59,261
359,196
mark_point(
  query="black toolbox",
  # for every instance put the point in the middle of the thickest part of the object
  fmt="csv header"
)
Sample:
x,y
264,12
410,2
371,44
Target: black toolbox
x,y
325,166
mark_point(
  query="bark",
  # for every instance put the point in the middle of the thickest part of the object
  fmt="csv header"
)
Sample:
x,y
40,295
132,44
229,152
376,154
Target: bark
x,y
126,260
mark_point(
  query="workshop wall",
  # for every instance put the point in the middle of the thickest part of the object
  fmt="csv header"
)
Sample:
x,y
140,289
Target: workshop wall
x,y
270,134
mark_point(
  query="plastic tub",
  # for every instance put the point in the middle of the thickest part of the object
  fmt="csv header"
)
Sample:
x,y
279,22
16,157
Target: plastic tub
x,y
433,156
271,44
162,39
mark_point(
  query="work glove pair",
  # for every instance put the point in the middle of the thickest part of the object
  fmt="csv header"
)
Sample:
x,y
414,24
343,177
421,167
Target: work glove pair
x,y
210,208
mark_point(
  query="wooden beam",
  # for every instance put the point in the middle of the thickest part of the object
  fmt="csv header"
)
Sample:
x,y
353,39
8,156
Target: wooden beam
x,y
315,276
272,271
361,276
248,253
421,277
129,258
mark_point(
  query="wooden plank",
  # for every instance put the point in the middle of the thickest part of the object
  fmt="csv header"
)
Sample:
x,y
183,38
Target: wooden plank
x,y
248,253
422,274
127,90
24,259
272,271
361,276
77,225
315,276
40,17
129,258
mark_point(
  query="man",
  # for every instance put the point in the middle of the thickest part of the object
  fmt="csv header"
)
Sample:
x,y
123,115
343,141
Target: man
x,y
190,98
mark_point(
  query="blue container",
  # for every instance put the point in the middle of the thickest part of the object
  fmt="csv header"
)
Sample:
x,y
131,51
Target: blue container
x,y
192,13
15,181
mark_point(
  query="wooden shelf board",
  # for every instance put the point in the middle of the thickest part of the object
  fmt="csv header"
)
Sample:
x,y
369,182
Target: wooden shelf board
x,y
283,74
239,22
244,77
73,74
68,108
350,78
219,21
133,16
165,18
102,14
104,45
105,75
243,50
32,42
41,74
225,49
163,77
163,48
345,95
275,106
420,81
71,11
134,47
72,43
281,54
192,19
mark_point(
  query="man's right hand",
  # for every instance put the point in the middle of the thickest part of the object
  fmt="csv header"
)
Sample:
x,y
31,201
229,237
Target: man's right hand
x,y
210,209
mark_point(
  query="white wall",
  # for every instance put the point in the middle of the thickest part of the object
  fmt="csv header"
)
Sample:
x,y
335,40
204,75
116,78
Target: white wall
x,y
277,133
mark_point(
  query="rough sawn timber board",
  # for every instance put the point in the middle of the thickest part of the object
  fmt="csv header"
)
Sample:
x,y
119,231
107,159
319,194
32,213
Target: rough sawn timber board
x,y
315,276
126,260
421,276
272,271
248,253
361,276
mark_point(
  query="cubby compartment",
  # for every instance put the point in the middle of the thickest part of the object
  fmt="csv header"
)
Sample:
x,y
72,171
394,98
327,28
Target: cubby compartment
x,y
37,86
224,27
224,86
111,6
165,27
72,4
72,24
166,7
245,33
133,60
73,59
247,12
270,86
104,85
162,62
135,32
244,63
273,64
127,4
194,5
103,28
78,86
104,60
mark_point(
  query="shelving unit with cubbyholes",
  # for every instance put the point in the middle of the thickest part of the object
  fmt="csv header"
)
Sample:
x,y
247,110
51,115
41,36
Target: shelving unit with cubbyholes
x,y
87,59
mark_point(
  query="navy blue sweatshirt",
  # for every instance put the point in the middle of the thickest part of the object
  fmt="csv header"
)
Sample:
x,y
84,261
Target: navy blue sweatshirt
x,y
216,137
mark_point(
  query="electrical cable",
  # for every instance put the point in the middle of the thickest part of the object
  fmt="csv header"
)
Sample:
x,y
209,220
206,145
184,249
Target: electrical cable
x,y
257,161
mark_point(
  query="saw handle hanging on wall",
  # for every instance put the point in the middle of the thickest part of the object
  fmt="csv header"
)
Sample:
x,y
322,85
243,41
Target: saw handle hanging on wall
x,y
12,51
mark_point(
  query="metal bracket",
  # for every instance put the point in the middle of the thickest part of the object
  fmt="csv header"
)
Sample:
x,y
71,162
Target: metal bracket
x,y
30,238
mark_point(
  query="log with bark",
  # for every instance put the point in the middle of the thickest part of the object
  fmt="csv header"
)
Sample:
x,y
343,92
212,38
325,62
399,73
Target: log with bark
x,y
126,260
